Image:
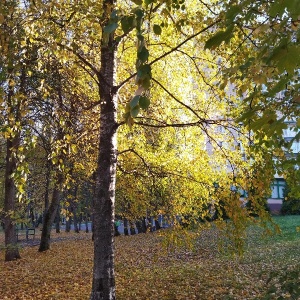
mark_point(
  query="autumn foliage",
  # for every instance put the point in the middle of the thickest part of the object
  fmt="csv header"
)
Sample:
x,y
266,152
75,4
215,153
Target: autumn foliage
x,y
145,270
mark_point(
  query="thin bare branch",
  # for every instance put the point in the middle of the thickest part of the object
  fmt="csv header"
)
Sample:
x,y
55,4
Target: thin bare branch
x,y
177,100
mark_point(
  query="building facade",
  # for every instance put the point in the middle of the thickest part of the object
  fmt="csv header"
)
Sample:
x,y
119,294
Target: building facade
x,y
279,185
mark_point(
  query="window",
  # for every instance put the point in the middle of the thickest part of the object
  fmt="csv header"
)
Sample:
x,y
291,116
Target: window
x,y
278,187
296,147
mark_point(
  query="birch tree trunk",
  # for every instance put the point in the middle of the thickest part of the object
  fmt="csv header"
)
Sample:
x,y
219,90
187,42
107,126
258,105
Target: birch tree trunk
x,y
103,287
57,220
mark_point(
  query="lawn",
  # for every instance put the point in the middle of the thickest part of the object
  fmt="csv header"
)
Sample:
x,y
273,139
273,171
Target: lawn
x,y
269,268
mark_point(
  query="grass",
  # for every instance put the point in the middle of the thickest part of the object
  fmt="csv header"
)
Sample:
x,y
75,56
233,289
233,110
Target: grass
x,y
269,269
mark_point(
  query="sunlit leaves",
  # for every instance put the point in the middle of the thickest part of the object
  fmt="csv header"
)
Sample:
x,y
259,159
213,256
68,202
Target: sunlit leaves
x,y
264,67
171,166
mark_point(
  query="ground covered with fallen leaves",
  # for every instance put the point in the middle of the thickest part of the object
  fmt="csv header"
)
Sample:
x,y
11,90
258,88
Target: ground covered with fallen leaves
x,y
269,268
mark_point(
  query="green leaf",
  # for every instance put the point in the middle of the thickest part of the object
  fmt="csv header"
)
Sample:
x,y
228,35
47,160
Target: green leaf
x,y
278,51
219,37
157,29
126,115
277,8
110,28
143,54
114,15
144,102
146,83
293,6
248,115
247,64
139,13
232,13
138,2
127,24
118,39
135,101
128,119
290,60
147,2
281,85
140,37
258,124
135,111
144,76
144,71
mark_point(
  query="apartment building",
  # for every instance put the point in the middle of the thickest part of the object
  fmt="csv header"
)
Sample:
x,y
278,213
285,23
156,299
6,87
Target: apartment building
x,y
279,184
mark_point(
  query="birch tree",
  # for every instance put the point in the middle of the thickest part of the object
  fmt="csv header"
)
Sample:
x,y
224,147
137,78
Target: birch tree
x,y
150,66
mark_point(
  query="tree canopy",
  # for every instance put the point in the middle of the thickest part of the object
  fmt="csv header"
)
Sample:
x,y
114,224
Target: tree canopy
x,y
167,107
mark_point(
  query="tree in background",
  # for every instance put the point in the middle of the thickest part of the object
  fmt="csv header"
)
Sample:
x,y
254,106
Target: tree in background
x,y
16,67
264,67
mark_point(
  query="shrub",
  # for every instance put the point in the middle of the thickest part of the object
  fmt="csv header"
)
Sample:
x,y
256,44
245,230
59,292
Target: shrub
x,y
290,207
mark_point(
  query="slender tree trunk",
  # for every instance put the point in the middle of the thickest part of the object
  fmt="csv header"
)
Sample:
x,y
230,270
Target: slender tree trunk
x,y
68,219
47,185
75,219
132,229
57,220
68,223
117,233
144,225
103,286
74,211
79,221
93,229
86,225
50,216
150,224
87,204
138,226
12,251
157,225
125,222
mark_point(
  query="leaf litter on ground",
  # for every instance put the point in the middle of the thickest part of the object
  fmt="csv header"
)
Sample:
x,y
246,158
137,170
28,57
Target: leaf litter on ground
x,y
269,268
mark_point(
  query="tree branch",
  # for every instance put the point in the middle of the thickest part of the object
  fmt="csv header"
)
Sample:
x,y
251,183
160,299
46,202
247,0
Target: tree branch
x,y
171,51
178,101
